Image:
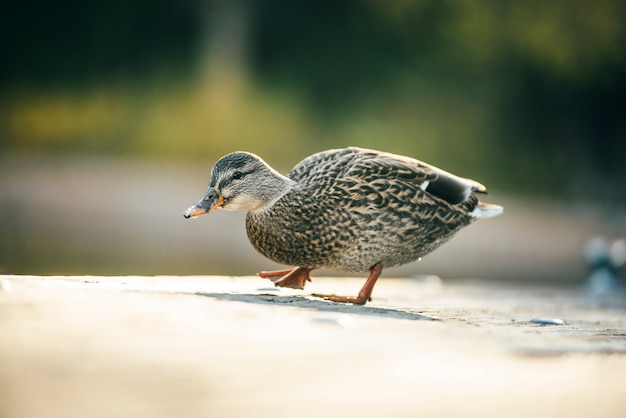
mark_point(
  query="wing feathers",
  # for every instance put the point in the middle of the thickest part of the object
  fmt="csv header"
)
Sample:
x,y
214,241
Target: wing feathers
x,y
355,166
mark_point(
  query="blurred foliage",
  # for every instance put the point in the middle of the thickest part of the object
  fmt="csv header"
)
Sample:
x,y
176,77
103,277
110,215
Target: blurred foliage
x,y
528,95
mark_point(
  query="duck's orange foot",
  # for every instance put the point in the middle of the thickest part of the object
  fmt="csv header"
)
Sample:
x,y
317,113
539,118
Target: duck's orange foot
x,y
294,278
365,294
357,300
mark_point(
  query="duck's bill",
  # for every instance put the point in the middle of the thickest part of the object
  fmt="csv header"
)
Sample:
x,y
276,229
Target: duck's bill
x,y
210,201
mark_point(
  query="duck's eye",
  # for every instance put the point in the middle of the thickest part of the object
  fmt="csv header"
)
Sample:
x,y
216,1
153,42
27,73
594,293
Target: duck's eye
x,y
237,175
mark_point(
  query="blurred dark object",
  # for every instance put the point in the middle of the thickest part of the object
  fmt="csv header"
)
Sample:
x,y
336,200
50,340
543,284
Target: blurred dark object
x,y
606,261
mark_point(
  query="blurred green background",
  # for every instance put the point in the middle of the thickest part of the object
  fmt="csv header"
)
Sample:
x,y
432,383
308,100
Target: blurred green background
x,y
528,97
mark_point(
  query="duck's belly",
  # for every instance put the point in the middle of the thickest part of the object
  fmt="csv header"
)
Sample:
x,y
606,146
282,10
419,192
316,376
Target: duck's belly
x,y
292,241
390,250
344,246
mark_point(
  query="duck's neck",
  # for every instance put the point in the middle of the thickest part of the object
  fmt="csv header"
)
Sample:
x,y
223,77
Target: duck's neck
x,y
274,190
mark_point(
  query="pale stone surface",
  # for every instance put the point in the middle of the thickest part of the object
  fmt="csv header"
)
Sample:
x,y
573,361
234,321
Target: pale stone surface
x,y
88,346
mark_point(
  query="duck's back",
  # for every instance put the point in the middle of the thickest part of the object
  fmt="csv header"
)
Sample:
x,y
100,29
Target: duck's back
x,y
353,208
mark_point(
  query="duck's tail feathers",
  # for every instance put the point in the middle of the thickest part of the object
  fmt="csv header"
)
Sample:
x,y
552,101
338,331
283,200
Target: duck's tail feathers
x,y
477,187
486,210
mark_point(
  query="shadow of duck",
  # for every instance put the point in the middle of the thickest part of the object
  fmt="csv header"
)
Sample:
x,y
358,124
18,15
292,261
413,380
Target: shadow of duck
x,y
319,305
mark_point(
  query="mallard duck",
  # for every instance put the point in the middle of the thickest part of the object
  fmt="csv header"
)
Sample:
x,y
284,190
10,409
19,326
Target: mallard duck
x,y
347,209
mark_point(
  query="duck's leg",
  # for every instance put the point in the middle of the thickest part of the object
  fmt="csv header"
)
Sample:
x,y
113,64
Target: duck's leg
x,y
294,278
365,294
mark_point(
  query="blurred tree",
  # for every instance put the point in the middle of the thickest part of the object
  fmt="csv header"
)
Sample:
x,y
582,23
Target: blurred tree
x,y
532,91
71,41
552,74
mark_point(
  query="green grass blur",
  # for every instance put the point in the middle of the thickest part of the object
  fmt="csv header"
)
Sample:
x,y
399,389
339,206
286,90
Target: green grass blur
x,y
526,94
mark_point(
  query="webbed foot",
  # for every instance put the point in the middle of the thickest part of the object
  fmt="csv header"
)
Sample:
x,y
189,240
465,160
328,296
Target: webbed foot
x,y
365,294
294,278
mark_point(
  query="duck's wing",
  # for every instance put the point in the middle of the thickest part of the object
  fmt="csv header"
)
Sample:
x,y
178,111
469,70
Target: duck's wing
x,y
359,164
362,166
406,173
436,182
325,164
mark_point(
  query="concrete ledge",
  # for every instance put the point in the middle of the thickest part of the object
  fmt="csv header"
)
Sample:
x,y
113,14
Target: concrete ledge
x,y
166,346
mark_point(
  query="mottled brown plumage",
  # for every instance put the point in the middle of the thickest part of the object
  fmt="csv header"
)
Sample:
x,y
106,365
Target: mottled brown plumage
x,y
348,209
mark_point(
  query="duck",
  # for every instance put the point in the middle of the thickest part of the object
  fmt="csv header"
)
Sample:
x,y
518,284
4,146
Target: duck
x,y
353,210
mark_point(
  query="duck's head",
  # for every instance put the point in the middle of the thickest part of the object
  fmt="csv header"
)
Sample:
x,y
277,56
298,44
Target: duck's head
x,y
241,181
